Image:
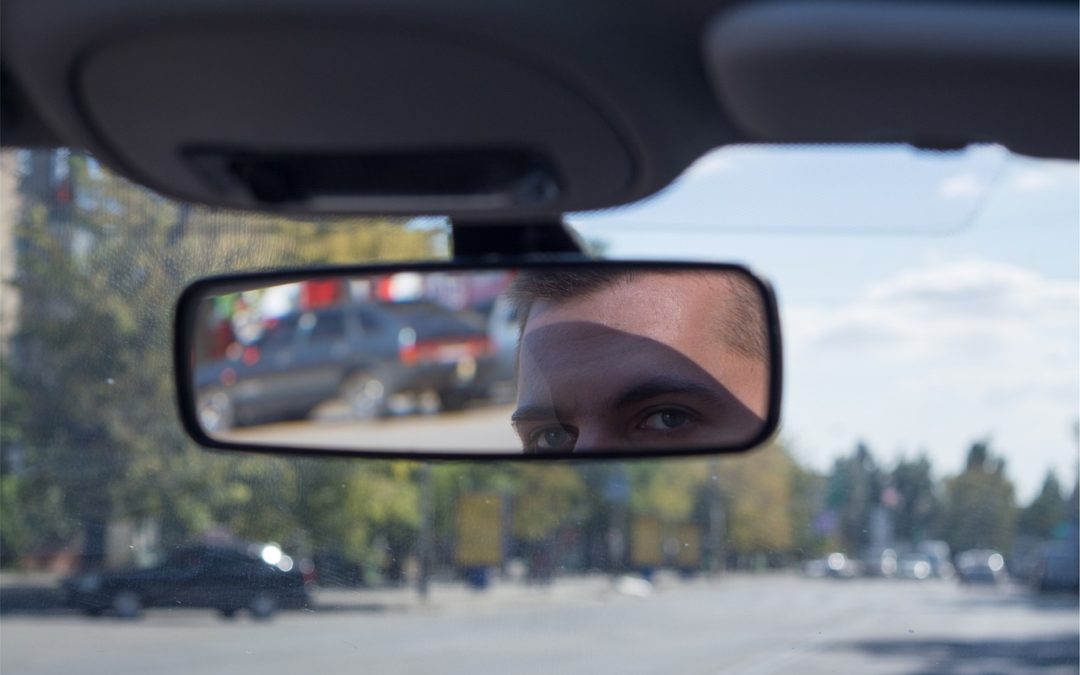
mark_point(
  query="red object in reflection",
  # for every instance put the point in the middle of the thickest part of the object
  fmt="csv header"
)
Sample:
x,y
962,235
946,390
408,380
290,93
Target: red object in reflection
x,y
251,356
436,351
320,293
63,192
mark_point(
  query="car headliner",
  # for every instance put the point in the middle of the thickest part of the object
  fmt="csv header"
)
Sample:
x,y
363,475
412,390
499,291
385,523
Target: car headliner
x,y
615,98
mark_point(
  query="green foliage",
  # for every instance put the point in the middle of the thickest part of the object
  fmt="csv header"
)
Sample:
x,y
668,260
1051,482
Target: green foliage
x,y
667,490
854,490
759,487
979,509
807,501
544,498
919,506
1044,515
90,396
345,505
1072,506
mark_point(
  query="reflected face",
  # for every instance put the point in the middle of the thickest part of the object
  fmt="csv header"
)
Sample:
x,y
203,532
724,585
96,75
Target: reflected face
x,y
642,364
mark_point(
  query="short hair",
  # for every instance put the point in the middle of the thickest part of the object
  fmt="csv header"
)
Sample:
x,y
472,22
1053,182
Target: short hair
x,y
743,326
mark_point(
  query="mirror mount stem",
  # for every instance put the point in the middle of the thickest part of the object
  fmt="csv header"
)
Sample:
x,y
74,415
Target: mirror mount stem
x,y
474,240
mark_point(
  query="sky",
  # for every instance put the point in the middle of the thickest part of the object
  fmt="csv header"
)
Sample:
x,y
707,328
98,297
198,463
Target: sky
x,y
927,299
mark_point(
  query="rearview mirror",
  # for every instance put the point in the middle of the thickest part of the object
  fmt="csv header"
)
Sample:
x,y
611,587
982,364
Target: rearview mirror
x,y
566,359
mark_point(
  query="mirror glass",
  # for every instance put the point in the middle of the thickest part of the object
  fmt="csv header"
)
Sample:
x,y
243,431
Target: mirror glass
x,y
564,360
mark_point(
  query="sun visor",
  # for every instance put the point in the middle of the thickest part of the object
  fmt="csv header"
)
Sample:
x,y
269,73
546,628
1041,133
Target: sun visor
x,y
935,75
348,118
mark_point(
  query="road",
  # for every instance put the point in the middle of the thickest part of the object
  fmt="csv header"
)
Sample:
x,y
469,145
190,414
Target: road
x,y
737,624
479,429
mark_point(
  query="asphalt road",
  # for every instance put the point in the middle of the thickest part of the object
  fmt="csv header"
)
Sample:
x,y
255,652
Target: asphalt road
x,y
737,624
479,429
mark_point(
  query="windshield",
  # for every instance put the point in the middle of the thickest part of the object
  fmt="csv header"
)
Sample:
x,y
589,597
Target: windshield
x,y
917,513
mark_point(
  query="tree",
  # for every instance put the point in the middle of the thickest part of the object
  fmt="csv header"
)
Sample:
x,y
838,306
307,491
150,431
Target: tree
x,y
1045,513
807,502
759,488
1072,507
544,498
667,490
854,491
98,271
918,504
979,509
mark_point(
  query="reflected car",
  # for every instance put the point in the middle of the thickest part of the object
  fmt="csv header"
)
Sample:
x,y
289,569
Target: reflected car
x,y
980,566
228,579
368,355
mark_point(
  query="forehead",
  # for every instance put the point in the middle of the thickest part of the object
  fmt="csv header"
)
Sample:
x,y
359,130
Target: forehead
x,y
585,369
655,305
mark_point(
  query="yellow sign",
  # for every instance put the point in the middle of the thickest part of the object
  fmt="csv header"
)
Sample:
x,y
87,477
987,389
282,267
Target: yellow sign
x,y
646,547
689,555
479,530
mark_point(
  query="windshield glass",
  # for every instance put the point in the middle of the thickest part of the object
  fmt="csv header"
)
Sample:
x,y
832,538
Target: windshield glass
x,y
869,189
917,513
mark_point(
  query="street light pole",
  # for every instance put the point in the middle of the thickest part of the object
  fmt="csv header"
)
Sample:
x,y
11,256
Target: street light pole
x,y
423,543
716,519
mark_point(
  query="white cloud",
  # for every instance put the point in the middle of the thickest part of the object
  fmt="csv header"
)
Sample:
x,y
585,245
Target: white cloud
x,y
1033,180
964,300
961,186
936,356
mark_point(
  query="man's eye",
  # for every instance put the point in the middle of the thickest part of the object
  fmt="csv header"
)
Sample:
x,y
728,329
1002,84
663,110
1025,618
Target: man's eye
x,y
665,420
554,438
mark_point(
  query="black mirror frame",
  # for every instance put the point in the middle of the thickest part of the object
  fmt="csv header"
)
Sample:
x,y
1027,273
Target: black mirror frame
x,y
194,293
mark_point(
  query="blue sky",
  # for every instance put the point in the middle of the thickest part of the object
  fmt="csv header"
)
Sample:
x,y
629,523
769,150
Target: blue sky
x,y
928,299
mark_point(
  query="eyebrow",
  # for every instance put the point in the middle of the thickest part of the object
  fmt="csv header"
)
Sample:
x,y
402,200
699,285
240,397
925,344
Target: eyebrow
x,y
636,393
534,413
666,386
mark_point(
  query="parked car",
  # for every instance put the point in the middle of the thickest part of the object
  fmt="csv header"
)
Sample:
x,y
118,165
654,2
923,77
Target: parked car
x,y
880,562
225,578
835,565
980,566
917,566
940,557
1057,568
365,354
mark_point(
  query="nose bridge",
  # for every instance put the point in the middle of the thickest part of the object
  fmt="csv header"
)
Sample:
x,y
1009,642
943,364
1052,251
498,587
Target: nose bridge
x,y
593,438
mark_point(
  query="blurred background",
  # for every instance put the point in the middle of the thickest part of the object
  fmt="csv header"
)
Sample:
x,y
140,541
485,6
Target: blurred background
x,y
98,478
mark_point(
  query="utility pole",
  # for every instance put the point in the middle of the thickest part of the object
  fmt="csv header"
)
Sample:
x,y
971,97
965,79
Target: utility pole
x,y
715,536
423,543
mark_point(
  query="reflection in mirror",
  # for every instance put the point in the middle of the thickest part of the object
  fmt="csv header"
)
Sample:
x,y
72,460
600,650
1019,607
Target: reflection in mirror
x,y
542,361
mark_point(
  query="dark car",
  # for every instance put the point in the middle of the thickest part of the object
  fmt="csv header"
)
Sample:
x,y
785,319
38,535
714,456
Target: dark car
x,y
980,566
1057,568
365,354
917,566
224,578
